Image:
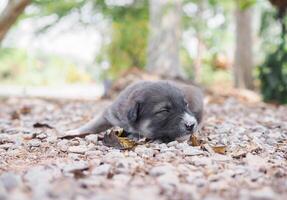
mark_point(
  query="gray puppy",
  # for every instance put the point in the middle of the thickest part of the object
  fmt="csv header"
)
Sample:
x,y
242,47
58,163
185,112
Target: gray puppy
x,y
156,110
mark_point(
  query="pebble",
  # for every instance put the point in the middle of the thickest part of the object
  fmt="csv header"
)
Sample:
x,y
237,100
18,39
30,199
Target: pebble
x,y
168,181
77,149
201,161
221,158
182,145
265,193
5,138
172,144
103,169
192,151
41,136
93,153
143,151
93,138
34,143
161,169
10,180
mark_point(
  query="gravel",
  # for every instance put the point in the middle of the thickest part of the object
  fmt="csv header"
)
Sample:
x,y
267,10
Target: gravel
x,y
35,164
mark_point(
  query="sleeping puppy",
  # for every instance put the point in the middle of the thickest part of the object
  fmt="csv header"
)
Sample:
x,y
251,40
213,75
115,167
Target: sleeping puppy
x,y
162,110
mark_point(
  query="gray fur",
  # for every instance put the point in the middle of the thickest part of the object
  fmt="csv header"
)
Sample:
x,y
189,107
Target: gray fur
x,y
156,110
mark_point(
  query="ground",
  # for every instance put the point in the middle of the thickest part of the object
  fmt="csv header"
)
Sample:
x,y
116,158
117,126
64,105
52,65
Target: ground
x,y
35,164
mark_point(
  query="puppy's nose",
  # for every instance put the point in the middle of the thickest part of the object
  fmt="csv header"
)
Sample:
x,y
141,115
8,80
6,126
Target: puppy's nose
x,y
189,126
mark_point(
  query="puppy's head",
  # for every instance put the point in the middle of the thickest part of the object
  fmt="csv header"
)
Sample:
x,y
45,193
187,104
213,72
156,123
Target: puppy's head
x,y
160,111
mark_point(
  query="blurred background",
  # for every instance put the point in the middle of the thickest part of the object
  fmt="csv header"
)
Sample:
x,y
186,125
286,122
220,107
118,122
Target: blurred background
x,y
89,44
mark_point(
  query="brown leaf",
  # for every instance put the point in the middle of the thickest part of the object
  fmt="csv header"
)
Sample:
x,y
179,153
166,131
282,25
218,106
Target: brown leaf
x,y
25,110
241,152
219,149
194,141
112,139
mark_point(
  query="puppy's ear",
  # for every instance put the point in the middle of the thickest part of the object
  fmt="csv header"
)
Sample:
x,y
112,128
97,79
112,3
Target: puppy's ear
x,y
133,113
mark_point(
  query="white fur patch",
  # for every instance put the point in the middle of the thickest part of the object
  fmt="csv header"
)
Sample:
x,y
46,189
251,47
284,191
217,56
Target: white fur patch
x,y
187,118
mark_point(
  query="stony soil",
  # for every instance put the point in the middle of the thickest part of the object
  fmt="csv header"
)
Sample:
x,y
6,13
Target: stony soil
x,y
34,164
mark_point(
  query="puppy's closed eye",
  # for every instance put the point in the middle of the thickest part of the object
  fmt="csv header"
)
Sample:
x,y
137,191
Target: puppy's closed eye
x,y
162,111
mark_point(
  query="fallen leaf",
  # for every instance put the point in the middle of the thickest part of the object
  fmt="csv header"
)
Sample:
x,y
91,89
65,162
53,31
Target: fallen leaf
x,y
219,149
25,110
194,141
241,152
112,139
208,148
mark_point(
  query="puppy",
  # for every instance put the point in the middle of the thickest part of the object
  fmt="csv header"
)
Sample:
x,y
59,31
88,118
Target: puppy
x,y
162,110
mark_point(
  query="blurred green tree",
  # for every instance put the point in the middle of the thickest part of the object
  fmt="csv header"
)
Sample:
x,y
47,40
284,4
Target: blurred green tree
x,y
273,72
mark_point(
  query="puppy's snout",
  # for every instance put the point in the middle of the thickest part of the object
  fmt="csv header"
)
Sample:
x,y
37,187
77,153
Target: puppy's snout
x,y
190,122
189,126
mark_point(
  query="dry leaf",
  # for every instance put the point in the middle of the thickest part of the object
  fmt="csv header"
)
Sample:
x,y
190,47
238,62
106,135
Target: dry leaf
x,y
219,149
112,139
194,141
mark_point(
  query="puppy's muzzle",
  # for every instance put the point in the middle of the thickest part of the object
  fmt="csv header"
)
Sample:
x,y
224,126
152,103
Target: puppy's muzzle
x,y
190,122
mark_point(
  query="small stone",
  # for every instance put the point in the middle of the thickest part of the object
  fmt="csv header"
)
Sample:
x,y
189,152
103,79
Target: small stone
x,y
74,142
93,138
4,138
29,136
255,161
221,158
172,144
162,169
81,165
103,169
41,136
10,180
3,193
52,139
34,143
266,193
201,161
194,176
166,155
64,148
144,151
6,146
192,151
168,181
93,153
121,179
77,149
182,145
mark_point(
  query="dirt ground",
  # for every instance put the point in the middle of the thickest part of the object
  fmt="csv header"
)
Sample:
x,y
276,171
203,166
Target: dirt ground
x,y
34,164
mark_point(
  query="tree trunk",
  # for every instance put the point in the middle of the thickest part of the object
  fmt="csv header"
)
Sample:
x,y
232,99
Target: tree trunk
x,y
200,46
164,38
10,15
243,58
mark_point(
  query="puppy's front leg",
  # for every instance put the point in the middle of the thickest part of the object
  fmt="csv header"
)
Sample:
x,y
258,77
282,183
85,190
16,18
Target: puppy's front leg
x,y
96,125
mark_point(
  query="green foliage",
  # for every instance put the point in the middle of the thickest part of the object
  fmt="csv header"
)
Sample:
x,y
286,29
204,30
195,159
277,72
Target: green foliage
x,y
211,37
129,28
273,72
128,46
129,36
245,4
